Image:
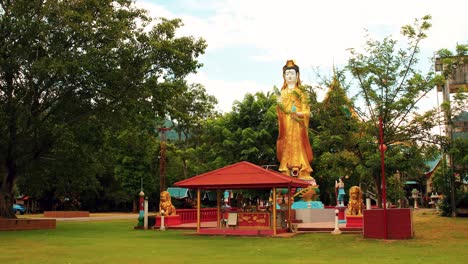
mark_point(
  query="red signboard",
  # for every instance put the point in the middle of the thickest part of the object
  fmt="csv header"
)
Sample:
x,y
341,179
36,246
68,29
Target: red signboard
x,y
245,219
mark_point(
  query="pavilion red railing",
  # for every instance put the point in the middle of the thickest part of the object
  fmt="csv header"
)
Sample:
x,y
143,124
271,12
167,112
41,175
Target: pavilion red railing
x,y
190,215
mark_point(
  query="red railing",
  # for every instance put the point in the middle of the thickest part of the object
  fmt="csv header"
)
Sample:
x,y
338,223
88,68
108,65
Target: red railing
x,y
190,215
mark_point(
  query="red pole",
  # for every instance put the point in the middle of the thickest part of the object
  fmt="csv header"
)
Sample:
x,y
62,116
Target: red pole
x,y
384,188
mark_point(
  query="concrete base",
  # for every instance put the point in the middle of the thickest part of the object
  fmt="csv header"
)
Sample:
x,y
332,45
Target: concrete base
x,y
336,231
315,215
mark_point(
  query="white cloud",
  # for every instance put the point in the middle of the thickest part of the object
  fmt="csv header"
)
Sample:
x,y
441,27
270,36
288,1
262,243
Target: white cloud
x,y
227,92
155,10
314,33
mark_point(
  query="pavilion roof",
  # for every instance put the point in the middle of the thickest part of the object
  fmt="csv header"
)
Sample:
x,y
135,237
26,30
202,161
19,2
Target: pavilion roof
x,y
241,175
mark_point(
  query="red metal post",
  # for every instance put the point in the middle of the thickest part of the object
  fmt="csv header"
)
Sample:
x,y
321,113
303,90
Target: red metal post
x,y
384,188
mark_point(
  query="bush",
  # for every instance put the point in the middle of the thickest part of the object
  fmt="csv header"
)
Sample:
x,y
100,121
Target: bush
x,y
463,201
444,206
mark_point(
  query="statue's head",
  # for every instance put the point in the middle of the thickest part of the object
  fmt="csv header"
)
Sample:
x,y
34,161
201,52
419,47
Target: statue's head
x,y
290,65
291,73
165,196
354,192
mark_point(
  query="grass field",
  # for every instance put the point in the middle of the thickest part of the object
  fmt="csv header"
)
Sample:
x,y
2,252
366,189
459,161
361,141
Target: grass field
x,y
438,240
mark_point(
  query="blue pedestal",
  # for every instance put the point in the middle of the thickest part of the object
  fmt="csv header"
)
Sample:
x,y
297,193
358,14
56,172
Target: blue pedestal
x,y
307,205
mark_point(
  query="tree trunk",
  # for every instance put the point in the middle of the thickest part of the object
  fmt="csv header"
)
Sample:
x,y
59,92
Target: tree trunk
x,y
5,207
134,206
6,192
378,191
6,187
185,167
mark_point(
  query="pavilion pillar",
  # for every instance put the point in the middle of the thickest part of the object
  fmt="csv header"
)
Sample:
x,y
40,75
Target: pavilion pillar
x,y
289,206
274,211
218,205
198,210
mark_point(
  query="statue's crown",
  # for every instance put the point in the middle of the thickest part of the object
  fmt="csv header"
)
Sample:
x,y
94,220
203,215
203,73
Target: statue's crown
x,y
290,64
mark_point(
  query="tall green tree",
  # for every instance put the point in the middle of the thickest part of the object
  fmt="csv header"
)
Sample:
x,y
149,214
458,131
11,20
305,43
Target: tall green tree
x,y
453,67
62,62
336,134
390,86
247,133
189,110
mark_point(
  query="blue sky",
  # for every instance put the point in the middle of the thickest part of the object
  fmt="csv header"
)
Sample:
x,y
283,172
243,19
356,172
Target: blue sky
x,y
250,40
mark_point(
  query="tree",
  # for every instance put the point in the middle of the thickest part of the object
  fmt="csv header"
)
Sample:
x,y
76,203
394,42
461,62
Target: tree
x,y
336,135
247,133
391,86
188,111
190,108
453,67
63,62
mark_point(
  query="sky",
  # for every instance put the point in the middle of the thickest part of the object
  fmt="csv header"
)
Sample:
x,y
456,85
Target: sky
x,y
249,41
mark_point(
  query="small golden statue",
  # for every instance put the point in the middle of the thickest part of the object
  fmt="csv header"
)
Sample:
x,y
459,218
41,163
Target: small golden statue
x,y
355,204
165,205
308,194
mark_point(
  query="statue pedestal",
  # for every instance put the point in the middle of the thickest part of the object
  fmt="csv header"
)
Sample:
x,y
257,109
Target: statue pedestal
x,y
170,220
315,215
341,214
307,205
354,221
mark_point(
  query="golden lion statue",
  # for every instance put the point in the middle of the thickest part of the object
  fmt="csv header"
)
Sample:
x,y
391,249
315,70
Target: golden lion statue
x,y
166,204
355,204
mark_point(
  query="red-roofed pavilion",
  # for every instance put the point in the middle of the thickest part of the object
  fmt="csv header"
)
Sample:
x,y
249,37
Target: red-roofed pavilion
x,y
242,175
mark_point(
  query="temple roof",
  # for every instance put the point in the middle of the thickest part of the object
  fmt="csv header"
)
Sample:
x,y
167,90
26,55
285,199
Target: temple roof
x,y
242,175
335,87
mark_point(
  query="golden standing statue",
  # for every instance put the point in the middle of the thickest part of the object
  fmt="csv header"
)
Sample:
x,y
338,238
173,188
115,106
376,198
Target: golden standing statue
x,y
293,148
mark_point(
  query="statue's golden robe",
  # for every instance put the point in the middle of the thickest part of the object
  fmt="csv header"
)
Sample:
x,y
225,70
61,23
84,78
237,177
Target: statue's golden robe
x,y
293,147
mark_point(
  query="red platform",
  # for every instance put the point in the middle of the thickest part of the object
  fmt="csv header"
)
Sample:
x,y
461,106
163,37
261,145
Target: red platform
x,y
171,220
240,232
354,221
399,223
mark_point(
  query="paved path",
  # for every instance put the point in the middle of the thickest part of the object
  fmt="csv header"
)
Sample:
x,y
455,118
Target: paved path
x,y
97,217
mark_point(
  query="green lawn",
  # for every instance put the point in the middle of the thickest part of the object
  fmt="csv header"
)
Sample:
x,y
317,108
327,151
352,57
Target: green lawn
x,y
438,240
